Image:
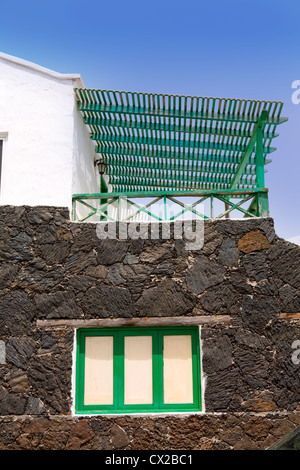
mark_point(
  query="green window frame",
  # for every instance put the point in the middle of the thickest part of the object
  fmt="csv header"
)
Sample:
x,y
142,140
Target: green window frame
x,y
118,405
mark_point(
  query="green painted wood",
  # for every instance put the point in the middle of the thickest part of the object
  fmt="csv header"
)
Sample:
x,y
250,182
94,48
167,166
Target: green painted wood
x,y
195,193
223,196
142,209
259,155
158,382
214,162
181,173
228,203
262,201
194,166
188,128
249,149
98,107
118,370
171,142
116,154
173,181
103,189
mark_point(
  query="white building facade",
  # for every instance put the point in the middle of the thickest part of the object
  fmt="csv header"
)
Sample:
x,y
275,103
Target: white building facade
x,y
47,154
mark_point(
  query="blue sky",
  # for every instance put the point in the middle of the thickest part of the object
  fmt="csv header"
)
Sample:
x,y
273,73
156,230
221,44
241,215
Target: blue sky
x,y
221,48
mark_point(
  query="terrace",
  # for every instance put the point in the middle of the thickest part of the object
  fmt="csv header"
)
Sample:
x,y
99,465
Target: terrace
x,y
166,157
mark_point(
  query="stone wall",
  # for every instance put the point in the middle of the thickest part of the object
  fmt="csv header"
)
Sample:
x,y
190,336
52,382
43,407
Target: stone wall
x,y
244,280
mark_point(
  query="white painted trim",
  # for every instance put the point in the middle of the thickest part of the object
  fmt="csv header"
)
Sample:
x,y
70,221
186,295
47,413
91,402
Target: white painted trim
x,y
150,413
40,69
73,377
202,375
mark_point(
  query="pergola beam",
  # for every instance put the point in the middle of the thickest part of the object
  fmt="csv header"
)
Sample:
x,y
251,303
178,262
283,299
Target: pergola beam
x,y
179,143
197,166
175,113
249,149
187,128
172,181
193,154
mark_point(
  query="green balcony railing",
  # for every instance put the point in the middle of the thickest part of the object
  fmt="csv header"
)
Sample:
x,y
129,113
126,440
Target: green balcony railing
x,y
165,205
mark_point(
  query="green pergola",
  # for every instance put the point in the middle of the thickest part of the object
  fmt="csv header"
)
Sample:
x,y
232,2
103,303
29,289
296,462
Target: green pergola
x,y
168,146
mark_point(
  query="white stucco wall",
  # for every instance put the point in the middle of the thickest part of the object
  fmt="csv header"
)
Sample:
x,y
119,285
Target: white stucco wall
x,y
47,152
85,177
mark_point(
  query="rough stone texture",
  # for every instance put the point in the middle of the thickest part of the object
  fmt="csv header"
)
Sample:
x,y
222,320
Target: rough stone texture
x,y
165,299
51,268
252,241
235,431
203,274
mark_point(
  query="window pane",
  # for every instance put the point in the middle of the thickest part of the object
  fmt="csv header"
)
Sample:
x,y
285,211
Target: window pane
x,y
178,372
98,385
138,370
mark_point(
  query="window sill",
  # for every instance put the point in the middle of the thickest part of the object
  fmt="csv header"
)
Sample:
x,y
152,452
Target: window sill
x,y
162,414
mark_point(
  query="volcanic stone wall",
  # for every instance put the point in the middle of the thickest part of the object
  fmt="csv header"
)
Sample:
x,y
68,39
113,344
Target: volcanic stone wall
x,y
242,285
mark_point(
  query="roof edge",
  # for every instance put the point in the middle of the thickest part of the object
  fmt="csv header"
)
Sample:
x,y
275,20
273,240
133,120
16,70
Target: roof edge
x,y
43,70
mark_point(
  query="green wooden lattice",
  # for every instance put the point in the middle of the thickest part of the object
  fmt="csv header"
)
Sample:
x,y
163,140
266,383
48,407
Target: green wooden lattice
x,y
155,142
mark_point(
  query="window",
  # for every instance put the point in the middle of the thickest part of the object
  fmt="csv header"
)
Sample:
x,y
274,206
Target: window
x,y
120,370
